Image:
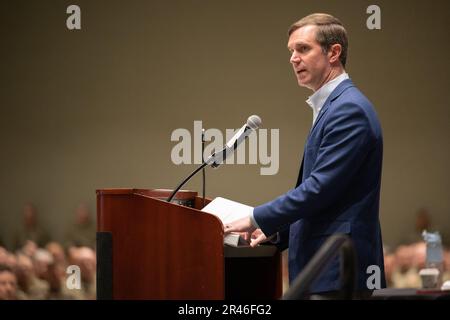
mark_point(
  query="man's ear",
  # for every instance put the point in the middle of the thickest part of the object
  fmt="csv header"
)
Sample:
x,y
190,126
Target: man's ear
x,y
334,52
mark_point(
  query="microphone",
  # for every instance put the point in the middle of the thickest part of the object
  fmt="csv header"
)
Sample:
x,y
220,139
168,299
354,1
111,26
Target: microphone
x,y
217,158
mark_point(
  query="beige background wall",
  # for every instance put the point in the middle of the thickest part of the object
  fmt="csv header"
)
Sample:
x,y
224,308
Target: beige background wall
x,y
89,109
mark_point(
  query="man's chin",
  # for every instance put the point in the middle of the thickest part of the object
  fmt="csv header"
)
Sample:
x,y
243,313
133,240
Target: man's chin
x,y
303,84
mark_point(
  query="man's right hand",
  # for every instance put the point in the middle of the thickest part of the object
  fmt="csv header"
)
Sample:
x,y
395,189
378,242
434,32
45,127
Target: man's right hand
x,y
258,237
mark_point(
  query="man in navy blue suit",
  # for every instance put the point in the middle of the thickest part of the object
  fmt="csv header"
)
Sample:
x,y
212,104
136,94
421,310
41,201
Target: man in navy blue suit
x,y
338,187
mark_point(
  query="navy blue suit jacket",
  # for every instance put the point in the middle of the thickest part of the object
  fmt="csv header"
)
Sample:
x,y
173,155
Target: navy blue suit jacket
x,y
337,191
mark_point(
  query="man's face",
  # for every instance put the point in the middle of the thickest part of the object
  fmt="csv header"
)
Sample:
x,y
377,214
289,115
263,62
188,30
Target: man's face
x,y
8,286
311,65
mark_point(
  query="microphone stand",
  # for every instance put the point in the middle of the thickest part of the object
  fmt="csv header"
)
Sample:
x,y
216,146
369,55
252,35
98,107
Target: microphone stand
x,y
202,167
203,170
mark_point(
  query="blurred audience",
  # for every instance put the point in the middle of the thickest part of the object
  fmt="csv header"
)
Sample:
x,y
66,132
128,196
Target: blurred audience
x,y
29,249
405,273
37,268
85,258
56,278
82,232
42,260
446,275
30,229
57,252
35,273
7,259
389,267
40,273
31,287
402,267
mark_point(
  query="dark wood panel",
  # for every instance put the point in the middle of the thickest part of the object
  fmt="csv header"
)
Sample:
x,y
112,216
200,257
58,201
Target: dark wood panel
x,y
162,250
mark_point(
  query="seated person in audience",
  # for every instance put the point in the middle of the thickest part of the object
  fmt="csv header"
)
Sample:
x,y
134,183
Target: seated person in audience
x,y
31,287
446,256
85,258
56,278
8,283
419,255
29,249
57,252
30,229
7,258
82,232
3,254
406,275
41,260
389,267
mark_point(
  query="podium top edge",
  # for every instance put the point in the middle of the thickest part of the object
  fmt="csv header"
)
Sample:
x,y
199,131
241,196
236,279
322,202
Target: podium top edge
x,y
115,191
182,194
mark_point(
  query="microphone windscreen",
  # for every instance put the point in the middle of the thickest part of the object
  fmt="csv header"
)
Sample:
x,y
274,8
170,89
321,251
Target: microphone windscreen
x,y
254,122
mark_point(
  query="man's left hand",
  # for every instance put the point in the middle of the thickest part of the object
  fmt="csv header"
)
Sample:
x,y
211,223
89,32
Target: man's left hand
x,y
241,225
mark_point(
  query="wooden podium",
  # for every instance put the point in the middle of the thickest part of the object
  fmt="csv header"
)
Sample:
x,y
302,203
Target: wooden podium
x,y
148,248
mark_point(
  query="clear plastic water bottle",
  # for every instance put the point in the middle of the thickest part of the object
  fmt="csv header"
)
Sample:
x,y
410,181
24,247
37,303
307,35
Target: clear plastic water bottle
x,y
434,253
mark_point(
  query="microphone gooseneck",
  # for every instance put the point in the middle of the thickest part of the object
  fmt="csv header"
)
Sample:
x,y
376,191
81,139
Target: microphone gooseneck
x,y
204,164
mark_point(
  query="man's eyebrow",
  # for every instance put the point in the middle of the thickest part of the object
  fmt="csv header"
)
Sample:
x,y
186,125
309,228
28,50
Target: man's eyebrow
x,y
299,43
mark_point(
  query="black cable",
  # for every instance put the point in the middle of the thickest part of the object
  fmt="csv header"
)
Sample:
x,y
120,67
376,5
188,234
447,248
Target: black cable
x,y
204,164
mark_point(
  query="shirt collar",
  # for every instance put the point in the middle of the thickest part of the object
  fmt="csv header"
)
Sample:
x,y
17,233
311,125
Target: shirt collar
x,y
318,98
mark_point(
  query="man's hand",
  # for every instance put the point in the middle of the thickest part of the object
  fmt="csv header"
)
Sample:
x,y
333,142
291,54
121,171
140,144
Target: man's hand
x,y
257,237
241,225
247,230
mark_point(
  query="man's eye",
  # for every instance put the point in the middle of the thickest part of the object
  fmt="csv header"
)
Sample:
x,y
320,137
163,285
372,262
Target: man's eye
x,y
303,49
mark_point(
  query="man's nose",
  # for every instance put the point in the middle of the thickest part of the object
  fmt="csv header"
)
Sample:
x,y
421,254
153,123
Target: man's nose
x,y
294,58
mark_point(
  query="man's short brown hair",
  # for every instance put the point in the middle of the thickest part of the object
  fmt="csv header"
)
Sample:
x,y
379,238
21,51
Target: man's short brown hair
x,y
329,31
